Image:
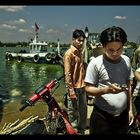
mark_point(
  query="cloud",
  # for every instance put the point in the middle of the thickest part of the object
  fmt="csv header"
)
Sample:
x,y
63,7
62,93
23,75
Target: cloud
x,y
19,21
25,31
12,8
51,31
7,26
120,17
66,25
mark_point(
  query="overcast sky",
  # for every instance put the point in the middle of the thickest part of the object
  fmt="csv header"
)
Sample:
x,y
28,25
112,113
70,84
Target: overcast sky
x,y
17,22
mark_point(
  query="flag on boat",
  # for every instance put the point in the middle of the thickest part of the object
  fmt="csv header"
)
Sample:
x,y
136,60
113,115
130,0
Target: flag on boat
x,y
36,27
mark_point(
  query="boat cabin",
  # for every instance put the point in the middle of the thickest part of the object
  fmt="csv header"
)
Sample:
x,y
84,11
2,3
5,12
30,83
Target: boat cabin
x,y
38,47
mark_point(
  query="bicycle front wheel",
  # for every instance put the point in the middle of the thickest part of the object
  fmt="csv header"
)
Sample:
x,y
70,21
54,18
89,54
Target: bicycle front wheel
x,y
55,126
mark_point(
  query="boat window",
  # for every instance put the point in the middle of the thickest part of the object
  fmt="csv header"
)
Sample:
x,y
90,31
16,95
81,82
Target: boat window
x,y
36,48
44,48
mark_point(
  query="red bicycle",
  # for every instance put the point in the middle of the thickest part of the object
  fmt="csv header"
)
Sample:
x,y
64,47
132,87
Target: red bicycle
x,y
56,119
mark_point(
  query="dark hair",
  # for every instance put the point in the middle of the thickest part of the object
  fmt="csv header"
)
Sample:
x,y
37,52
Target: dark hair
x,y
113,34
78,33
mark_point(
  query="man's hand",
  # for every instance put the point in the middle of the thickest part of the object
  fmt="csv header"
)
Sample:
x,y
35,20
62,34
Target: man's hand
x,y
116,88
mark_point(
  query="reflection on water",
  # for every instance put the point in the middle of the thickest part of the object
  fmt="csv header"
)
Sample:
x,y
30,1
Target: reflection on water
x,y
26,77
20,80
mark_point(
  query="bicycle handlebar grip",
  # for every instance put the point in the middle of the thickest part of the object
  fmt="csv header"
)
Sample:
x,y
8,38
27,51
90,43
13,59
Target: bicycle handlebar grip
x,y
60,78
24,106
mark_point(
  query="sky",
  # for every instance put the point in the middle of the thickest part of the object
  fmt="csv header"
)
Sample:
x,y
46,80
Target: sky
x,y
17,23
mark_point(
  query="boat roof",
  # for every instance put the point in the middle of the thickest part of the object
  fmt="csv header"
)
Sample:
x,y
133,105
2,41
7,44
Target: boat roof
x,y
35,42
38,43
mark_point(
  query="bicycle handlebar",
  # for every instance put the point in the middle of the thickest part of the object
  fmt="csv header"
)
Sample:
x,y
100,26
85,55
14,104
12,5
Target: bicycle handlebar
x,y
24,106
39,92
60,78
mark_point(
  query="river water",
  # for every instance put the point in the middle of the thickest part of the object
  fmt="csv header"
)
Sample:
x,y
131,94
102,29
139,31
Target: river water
x,y
18,81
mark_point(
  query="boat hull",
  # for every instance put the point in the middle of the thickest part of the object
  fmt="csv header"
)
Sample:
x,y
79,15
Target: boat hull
x,y
41,57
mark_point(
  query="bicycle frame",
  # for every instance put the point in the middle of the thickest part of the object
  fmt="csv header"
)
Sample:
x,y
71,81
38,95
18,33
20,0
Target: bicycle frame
x,y
44,93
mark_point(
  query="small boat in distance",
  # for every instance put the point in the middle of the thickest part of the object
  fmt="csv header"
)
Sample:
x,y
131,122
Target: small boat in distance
x,y
39,52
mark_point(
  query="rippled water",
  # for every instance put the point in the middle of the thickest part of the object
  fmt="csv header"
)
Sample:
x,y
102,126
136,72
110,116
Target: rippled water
x,y
18,81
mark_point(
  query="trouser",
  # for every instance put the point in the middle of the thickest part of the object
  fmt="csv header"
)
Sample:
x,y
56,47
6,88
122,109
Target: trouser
x,y
104,123
77,110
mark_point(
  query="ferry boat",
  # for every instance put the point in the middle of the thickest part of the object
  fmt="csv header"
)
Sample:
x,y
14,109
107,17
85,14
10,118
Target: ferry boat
x,y
38,52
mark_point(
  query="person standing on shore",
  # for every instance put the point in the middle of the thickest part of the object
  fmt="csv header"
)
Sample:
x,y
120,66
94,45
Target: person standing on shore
x,y
74,79
136,94
109,78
